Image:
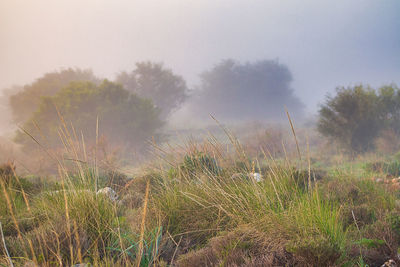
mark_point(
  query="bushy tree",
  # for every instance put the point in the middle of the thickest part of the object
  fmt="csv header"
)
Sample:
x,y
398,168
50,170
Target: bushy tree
x,y
153,81
355,116
389,101
27,100
123,117
255,91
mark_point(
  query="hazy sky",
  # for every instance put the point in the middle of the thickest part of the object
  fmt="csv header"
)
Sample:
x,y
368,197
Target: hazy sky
x,y
324,43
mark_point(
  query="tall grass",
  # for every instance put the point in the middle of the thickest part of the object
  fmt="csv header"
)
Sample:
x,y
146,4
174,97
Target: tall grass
x,y
201,206
206,203
70,222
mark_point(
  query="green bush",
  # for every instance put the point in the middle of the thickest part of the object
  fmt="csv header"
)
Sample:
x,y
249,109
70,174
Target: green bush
x,y
355,116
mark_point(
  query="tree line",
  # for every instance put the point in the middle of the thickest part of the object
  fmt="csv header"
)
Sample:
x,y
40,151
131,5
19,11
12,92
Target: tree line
x,y
136,104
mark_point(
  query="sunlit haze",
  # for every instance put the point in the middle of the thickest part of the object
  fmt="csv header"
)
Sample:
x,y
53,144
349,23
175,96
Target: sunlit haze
x,y
325,44
191,133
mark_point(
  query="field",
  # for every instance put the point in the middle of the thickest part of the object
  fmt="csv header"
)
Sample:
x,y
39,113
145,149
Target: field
x,y
170,133
207,202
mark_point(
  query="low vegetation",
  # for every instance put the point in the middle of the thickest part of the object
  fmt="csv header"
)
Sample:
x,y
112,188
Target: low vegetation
x,y
203,206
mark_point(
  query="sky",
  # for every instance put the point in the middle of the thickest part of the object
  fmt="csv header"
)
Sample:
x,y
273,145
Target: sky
x,y
325,44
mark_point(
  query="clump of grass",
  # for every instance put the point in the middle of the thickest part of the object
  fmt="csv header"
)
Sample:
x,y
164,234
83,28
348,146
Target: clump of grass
x,y
277,206
312,216
70,225
389,168
317,233
74,223
243,246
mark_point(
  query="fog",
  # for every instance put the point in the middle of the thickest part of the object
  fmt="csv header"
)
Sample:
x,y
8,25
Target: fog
x,y
192,125
324,44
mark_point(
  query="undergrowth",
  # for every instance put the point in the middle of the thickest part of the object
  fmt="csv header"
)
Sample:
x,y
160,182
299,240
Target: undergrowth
x,y
204,206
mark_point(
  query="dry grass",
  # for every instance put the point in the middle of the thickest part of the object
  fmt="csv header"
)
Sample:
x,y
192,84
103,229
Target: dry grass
x,y
198,206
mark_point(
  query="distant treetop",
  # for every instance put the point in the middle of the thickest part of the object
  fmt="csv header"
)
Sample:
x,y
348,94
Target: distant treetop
x,y
250,91
26,102
124,118
153,81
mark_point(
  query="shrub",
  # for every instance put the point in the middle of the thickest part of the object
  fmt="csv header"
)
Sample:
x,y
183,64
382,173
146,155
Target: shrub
x,y
357,115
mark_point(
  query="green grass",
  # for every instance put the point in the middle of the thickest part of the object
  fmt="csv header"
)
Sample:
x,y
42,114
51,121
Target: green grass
x,y
203,207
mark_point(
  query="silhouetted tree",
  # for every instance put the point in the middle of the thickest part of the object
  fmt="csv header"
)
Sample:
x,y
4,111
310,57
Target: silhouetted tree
x,y
153,81
255,91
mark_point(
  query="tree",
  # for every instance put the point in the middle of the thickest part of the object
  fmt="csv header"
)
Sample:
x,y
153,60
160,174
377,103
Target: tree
x,y
151,80
250,91
24,103
357,115
124,118
389,101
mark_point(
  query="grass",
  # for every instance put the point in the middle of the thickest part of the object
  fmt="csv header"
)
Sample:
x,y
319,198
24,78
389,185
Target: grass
x,y
277,206
201,206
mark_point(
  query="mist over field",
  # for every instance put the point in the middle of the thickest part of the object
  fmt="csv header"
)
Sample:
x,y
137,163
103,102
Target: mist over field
x,y
145,72
324,45
199,133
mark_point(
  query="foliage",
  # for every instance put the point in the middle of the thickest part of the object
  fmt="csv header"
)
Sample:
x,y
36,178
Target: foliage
x,y
391,168
389,106
24,103
151,245
153,81
355,116
370,243
123,118
235,91
200,162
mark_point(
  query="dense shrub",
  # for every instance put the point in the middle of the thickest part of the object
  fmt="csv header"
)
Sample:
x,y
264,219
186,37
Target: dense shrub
x,y
355,116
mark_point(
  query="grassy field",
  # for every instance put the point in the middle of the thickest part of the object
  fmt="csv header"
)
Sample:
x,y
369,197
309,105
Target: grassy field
x,y
205,204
